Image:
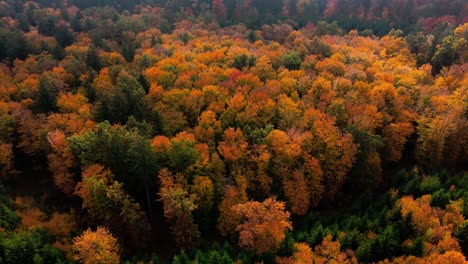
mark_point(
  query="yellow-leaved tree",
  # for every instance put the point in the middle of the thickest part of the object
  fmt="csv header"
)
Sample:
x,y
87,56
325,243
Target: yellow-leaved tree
x,y
96,247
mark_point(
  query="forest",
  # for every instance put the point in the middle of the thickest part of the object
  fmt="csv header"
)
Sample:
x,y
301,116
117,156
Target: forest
x,y
233,131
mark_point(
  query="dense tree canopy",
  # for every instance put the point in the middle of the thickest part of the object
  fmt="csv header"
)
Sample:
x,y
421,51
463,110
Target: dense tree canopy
x,y
222,131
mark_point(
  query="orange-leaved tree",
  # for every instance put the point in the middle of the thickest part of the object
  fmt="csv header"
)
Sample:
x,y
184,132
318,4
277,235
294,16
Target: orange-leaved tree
x,y
263,225
98,246
60,162
228,218
297,192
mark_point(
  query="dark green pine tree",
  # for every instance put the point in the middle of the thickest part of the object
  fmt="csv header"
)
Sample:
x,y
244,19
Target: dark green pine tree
x,y
92,58
47,96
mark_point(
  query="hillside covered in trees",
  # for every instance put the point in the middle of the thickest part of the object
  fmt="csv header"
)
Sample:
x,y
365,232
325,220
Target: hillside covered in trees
x,y
223,131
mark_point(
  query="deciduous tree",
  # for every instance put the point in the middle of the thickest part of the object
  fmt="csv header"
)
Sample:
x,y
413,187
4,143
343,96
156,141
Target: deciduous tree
x,y
263,225
61,161
297,192
93,247
178,206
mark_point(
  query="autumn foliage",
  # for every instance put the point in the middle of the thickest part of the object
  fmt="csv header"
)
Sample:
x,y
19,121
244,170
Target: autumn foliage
x,y
233,131
263,225
96,247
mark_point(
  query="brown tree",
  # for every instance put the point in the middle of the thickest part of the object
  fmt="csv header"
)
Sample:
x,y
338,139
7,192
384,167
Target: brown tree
x,y
6,159
297,192
228,218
